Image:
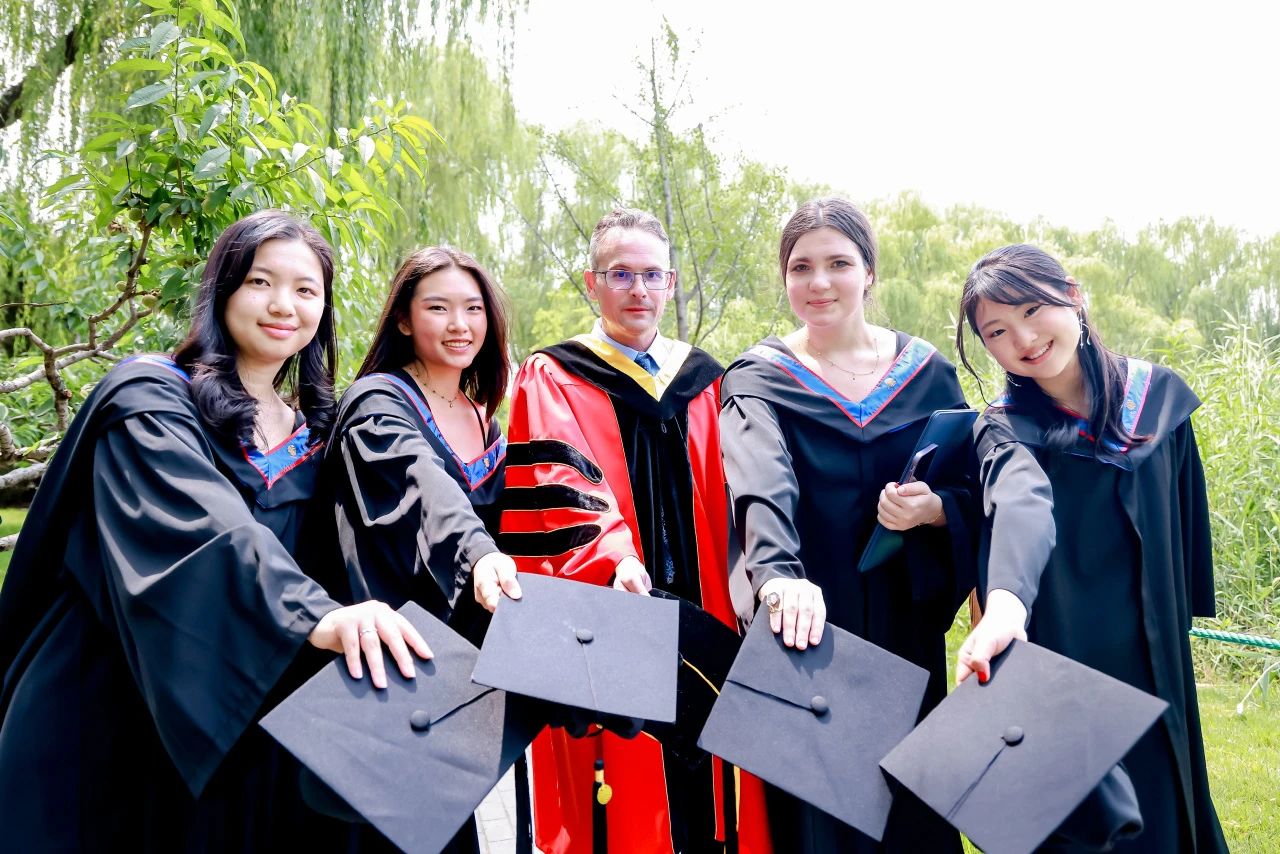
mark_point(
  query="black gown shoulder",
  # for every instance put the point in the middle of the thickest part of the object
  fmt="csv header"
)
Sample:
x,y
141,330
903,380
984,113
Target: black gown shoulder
x,y
407,509
150,611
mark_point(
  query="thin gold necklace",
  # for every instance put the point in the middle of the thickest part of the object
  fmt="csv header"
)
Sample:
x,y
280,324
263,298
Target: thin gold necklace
x,y
425,384
823,356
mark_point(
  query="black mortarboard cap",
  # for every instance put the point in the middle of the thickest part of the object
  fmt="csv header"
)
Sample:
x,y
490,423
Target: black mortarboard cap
x,y
582,645
707,650
817,722
1008,761
417,758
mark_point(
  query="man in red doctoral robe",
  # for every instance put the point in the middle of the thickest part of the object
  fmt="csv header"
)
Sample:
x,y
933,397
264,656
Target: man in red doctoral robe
x,y
614,476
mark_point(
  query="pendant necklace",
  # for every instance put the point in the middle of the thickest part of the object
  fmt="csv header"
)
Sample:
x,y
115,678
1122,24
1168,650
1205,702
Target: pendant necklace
x,y
422,382
875,342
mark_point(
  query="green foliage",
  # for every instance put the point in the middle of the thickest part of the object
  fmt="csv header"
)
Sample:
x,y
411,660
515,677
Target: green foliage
x,y
1238,432
11,519
198,137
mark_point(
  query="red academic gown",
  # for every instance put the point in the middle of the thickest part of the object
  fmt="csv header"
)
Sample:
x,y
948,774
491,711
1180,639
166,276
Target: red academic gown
x,y
591,429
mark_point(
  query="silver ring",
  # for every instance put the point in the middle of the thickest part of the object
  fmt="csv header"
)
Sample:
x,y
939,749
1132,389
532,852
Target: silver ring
x,y
774,602
364,632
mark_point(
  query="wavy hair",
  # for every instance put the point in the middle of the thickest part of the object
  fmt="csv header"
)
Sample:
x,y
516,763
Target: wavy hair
x,y
209,354
485,379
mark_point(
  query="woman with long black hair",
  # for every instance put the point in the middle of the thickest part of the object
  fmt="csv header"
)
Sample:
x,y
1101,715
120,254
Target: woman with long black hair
x,y
415,468
154,608
417,459
1096,539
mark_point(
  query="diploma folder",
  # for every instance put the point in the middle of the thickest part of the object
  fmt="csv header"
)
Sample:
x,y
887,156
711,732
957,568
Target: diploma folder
x,y
941,452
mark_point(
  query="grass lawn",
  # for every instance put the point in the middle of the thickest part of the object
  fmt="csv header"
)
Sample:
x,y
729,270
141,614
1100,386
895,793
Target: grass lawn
x,y
11,519
1243,753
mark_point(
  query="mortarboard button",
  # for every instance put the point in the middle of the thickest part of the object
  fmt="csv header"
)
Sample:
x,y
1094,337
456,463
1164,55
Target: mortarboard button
x,y
585,646
1009,801
844,697
353,739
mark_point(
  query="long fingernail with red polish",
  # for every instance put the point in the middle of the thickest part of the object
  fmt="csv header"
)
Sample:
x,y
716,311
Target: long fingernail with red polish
x,y
982,678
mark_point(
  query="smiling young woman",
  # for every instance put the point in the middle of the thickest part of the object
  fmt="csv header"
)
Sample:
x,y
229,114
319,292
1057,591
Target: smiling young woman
x,y
1096,540
154,607
413,473
816,427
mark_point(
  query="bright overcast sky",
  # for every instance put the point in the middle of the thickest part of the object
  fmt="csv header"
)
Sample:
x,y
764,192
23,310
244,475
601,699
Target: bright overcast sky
x,y
1076,111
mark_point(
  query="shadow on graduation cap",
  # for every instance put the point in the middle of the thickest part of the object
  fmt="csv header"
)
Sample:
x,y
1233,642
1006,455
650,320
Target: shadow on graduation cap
x,y
1032,754
416,759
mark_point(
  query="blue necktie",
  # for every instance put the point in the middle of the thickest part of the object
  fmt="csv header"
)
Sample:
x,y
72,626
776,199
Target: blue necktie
x,y
647,362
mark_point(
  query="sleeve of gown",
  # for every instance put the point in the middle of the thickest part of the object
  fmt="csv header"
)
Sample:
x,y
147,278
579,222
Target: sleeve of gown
x,y
409,505
209,606
762,484
1197,539
943,560
1017,500
560,514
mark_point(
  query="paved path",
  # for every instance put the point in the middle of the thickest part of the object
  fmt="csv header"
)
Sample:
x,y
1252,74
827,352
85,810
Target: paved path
x,y
497,818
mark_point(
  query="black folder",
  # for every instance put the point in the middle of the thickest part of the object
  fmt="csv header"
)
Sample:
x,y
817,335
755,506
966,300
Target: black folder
x,y
941,452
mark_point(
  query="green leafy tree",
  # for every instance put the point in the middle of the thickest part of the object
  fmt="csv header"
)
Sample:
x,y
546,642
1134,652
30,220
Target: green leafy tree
x,y
200,137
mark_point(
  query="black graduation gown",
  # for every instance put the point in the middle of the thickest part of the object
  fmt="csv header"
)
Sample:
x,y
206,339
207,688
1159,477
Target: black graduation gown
x,y
805,468
150,614
411,517
1110,550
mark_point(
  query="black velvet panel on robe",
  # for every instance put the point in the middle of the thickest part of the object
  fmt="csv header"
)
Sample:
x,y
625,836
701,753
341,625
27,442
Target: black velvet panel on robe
x,y
805,469
1110,550
151,613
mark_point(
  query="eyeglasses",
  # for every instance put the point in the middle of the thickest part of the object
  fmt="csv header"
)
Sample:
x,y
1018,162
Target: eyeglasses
x,y
623,280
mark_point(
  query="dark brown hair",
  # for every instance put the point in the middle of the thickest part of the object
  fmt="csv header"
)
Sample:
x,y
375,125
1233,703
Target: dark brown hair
x,y
1020,274
829,213
485,379
208,353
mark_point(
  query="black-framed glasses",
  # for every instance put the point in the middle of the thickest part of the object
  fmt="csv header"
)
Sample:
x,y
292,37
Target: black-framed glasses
x,y
623,280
